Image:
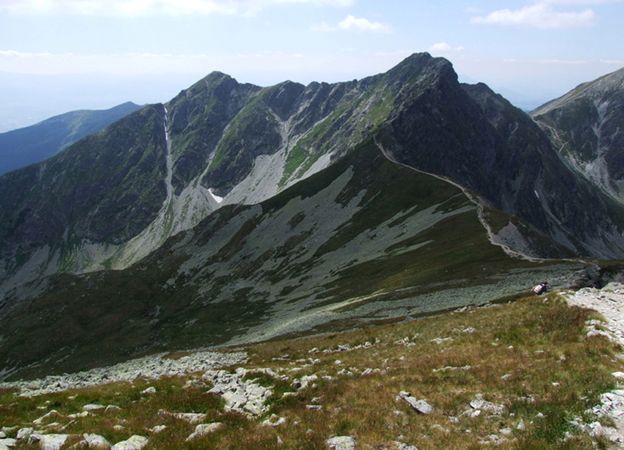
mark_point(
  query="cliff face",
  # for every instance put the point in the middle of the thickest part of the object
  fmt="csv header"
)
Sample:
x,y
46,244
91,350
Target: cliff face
x,y
586,126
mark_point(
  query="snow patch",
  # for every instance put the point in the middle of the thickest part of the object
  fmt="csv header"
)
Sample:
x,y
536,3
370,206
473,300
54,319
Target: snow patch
x,y
215,196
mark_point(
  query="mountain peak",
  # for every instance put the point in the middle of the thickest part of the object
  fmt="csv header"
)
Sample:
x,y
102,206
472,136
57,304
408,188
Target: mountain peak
x,y
421,65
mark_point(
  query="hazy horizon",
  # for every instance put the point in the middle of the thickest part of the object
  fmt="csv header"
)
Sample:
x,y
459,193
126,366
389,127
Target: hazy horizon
x,y
62,55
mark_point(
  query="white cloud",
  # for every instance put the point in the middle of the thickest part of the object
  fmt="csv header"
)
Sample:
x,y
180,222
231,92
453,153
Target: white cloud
x,y
541,15
581,2
444,47
44,63
352,23
614,62
362,24
133,8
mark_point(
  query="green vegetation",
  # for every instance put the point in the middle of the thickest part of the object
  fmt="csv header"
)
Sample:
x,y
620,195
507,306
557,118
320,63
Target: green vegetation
x,y
380,234
530,356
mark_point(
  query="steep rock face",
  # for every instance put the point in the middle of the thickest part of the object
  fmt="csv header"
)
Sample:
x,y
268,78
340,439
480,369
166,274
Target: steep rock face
x,y
587,126
220,142
29,145
479,140
363,239
199,116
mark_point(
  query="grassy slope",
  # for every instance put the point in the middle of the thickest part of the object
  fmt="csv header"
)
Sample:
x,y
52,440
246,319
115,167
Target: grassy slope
x,y
538,343
252,268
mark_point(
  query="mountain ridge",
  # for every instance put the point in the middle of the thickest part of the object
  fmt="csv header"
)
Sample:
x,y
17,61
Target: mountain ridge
x,y
221,142
32,144
355,242
585,126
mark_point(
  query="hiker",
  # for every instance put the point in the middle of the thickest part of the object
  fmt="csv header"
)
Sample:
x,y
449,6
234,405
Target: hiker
x,y
541,288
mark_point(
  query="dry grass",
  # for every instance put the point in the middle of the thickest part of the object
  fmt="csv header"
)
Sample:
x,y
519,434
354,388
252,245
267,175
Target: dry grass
x,y
530,356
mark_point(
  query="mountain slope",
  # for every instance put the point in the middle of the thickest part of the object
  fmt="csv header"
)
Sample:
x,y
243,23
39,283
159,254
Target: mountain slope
x,y
104,189
222,143
480,141
587,126
29,145
364,239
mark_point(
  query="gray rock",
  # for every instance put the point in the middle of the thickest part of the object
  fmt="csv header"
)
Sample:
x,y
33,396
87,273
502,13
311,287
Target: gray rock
x,y
483,405
240,395
191,418
151,367
92,407
7,443
50,441
149,390
135,442
274,421
96,441
24,433
203,429
403,446
52,413
341,443
420,406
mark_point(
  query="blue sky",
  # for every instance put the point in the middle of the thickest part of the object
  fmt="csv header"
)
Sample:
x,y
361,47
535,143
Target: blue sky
x,y
57,55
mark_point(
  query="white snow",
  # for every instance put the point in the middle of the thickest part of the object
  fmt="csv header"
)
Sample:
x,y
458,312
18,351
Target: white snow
x,y
215,196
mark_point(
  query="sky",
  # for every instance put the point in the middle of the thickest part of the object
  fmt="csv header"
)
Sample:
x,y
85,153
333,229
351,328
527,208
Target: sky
x,y
60,55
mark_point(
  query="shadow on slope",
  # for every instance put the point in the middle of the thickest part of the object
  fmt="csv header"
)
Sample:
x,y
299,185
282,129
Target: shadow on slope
x,y
364,239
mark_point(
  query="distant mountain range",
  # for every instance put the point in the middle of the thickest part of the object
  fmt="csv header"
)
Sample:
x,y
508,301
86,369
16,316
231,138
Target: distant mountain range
x,y
235,212
29,145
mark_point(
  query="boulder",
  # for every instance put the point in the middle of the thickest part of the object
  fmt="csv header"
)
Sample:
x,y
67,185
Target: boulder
x,y
40,420
404,446
420,406
203,429
92,407
135,442
341,443
480,404
274,421
24,433
191,418
96,441
49,441
7,443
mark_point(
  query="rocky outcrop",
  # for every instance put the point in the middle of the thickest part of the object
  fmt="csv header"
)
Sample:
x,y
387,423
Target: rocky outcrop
x,y
240,394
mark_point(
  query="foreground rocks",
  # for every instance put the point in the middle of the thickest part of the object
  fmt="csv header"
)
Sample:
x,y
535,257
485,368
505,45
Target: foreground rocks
x,y
204,429
151,367
609,302
133,443
341,443
420,406
240,394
